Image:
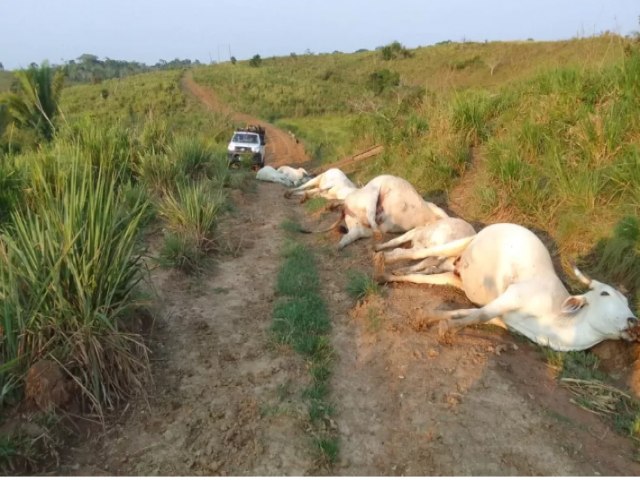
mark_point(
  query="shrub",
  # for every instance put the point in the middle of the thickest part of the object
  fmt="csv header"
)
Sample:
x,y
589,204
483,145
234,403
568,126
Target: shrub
x,y
382,80
190,213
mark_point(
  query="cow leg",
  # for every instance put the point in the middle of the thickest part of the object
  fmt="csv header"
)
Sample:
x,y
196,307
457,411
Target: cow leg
x,y
450,249
509,301
303,193
446,278
314,182
426,266
405,237
441,265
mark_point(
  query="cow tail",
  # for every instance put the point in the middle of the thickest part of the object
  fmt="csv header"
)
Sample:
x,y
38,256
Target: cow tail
x,y
328,229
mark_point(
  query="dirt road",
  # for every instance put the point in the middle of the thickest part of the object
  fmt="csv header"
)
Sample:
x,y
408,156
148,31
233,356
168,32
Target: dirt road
x,y
227,402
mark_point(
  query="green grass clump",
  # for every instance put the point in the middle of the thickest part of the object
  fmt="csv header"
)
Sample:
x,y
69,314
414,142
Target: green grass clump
x,y
360,285
581,365
298,273
315,204
329,447
190,216
69,271
24,448
291,226
12,184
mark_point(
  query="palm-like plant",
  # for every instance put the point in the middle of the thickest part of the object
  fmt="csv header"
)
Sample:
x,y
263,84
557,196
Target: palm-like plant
x,y
35,104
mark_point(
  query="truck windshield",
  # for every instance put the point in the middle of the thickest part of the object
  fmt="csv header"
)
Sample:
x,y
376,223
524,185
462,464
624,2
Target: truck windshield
x,y
246,138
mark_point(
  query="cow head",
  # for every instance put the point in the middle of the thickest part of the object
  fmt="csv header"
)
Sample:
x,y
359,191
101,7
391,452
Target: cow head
x,y
604,308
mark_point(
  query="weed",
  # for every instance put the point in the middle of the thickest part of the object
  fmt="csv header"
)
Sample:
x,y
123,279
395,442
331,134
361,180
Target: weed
x,y
361,285
291,226
581,365
329,448
315,204
181,251
190,216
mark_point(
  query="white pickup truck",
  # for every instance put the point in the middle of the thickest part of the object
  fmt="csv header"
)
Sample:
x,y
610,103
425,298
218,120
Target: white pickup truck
x,y
249,142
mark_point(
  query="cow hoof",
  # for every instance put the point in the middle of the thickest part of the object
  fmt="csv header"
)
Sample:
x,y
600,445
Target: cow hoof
x,y
287,194
378,266
443,329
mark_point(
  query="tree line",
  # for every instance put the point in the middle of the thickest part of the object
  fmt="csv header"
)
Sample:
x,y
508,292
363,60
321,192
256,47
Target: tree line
x,y
88,68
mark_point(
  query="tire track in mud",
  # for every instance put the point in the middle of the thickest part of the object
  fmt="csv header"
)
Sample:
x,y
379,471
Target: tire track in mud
x,y
225,401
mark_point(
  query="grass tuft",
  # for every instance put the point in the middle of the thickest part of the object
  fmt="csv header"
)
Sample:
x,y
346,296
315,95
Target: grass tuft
x,y
361,285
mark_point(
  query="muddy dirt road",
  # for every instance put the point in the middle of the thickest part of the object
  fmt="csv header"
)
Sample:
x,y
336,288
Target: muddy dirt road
x,y
227,402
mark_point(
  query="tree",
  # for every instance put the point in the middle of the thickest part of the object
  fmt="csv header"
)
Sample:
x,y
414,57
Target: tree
x,y
88,58
1,67
35,104
393,50
233,60
255,61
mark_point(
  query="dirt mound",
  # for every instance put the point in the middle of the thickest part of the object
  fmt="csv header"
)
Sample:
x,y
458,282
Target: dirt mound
x,y
47,386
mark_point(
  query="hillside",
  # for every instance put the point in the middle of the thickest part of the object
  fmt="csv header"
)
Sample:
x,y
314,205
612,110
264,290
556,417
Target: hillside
x,y
549,130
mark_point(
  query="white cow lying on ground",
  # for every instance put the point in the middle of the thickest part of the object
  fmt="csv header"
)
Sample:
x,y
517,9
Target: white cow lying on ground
x,y
332,185
436,233
385,204
508,270
296,175
270,174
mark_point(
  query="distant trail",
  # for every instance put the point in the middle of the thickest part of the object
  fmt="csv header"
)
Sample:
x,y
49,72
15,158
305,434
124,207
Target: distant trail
x,y
282,149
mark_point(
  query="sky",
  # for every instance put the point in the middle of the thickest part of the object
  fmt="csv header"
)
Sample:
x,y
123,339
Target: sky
x,y
212,30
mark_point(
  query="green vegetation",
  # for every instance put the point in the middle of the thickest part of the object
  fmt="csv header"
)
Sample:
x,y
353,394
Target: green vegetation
x,y
82,175
301,320
395,50
592,390
360,285
547,130
35,105
25,447
190,215
88,68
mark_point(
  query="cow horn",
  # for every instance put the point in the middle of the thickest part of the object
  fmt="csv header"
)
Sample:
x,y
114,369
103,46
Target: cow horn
x,y
580,276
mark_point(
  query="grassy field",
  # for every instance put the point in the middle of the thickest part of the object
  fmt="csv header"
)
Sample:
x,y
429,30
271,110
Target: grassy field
x,y
548,131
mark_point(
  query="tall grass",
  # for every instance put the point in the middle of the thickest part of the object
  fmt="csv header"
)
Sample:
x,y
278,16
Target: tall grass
x,y
190,214
569,163
70,267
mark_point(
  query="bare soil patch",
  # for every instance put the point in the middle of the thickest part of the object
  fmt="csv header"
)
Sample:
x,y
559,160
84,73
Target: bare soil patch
x,y
227,402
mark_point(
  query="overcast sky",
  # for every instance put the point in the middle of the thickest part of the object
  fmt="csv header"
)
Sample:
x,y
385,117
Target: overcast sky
x,y
206,30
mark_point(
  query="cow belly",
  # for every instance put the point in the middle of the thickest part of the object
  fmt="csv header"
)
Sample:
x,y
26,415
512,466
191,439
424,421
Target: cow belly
x,y
479,284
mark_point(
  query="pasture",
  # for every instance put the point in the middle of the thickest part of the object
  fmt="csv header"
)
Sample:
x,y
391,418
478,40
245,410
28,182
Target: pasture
x,y
203,334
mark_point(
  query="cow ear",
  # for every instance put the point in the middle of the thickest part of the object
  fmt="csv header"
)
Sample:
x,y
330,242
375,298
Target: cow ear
x,y
573,304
